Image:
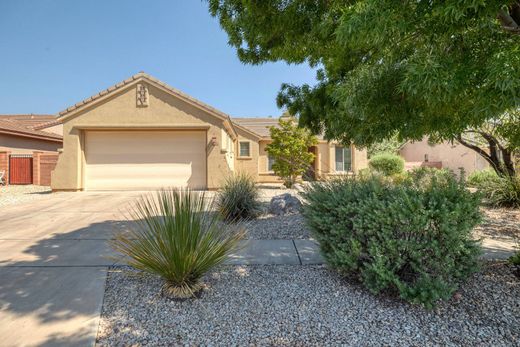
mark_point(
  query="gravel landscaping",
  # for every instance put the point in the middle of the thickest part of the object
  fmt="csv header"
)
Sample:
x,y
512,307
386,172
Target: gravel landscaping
x,y
10,195
291,226
301,305
500,224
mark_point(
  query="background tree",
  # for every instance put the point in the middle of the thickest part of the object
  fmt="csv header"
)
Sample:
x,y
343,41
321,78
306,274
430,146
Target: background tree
x,y
390,145
290,150
411,68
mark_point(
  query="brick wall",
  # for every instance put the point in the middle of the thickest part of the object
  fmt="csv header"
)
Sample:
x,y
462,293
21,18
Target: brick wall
x,y
43,165
4,165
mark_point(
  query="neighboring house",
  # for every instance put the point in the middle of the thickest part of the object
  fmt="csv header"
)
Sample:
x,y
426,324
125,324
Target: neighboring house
x,y
448,155
28,148
144,134
23,134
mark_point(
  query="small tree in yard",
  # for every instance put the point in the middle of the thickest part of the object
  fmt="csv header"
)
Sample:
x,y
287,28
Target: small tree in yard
x,y
290,150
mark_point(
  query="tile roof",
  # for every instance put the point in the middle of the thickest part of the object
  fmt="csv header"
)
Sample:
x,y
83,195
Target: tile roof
x,y
259,126
29,120
23,125
142,75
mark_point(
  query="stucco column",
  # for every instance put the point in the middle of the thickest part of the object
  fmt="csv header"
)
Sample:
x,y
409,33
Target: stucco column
x,y
36,167
4,165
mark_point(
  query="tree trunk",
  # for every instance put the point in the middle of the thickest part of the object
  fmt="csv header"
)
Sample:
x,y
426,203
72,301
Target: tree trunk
x,y
503,166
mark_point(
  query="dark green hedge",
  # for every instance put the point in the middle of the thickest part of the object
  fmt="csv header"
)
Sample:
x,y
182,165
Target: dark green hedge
x,y
413,237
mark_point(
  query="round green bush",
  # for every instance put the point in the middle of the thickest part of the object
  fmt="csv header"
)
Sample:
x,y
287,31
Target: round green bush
x,y
411,238
387,164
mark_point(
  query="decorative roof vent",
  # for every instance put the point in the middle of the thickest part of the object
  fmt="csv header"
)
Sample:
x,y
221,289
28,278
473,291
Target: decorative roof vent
x,y
142,97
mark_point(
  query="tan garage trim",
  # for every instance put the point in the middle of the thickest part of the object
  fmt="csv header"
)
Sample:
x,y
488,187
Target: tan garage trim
x,y
142,159
142,127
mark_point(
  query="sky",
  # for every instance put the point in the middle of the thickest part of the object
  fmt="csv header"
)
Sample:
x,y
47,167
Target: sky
x,y
55,53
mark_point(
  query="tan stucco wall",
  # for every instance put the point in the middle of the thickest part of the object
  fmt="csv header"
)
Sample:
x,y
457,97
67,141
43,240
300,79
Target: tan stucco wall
x,y
249,164
165,111
453,156
264,176
26,145
325,161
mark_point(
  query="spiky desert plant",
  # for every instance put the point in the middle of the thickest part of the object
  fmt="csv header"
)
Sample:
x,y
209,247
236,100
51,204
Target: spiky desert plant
x,y
176,238
239,198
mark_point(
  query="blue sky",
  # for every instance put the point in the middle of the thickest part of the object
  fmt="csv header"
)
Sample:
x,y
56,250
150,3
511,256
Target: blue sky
x,y
54,53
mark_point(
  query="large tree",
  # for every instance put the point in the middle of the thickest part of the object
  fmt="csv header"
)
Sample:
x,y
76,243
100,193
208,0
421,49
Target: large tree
x,y
416,68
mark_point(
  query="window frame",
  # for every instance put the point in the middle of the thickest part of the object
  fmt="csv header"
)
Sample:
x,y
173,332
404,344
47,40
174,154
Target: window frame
x,y
248,149
336,147
269,158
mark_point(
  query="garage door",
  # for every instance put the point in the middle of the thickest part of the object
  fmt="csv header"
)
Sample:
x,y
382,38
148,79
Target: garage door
x,y
145,159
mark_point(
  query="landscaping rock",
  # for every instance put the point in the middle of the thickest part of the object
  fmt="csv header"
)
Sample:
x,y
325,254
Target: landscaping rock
x,y
305,305
284,204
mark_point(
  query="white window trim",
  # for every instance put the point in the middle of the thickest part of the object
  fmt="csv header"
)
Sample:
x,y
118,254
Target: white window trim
x,y
343,161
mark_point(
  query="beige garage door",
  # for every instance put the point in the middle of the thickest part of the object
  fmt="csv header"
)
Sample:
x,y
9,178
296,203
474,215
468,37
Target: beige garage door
x,y
145,159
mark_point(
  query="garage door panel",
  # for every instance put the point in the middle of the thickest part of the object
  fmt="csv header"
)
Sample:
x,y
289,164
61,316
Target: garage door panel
x,y
145,159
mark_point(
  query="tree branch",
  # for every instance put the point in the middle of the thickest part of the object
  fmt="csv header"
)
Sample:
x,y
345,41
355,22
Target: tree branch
x,y
507,21
480,151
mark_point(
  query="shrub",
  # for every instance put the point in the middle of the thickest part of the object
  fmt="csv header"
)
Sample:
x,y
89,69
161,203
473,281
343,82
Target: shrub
x,y
387,164
502,192
414,239
238,198
176,238
478,178
426,176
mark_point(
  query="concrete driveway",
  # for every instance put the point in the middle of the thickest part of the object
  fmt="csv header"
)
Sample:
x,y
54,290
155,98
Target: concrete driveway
x,y
53,262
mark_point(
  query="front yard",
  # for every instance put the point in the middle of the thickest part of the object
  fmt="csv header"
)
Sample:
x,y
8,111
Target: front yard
x,y
311,305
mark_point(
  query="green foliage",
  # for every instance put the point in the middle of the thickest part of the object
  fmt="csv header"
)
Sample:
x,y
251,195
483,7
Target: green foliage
x,y
387,164
502,192
390,145
239,198
290,150
409,237
479,178
176,238
515,259
427,176
414,68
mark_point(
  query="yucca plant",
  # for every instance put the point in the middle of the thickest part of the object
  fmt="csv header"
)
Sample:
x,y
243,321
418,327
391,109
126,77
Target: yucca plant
x,y
239,198
502,192
176,238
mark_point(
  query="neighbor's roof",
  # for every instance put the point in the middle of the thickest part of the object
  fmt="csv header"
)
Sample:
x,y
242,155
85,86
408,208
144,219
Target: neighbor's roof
x,y
24,124
29,120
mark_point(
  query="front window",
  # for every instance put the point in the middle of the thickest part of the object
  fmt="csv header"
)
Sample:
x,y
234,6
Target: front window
x,y
343,159
244,149
270,162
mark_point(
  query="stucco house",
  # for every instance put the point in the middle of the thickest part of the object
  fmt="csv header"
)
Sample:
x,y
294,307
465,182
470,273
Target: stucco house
x,y
25,133
453,156
143,134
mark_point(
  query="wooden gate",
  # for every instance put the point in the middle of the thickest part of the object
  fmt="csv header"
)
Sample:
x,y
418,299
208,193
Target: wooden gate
x,y
20,169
